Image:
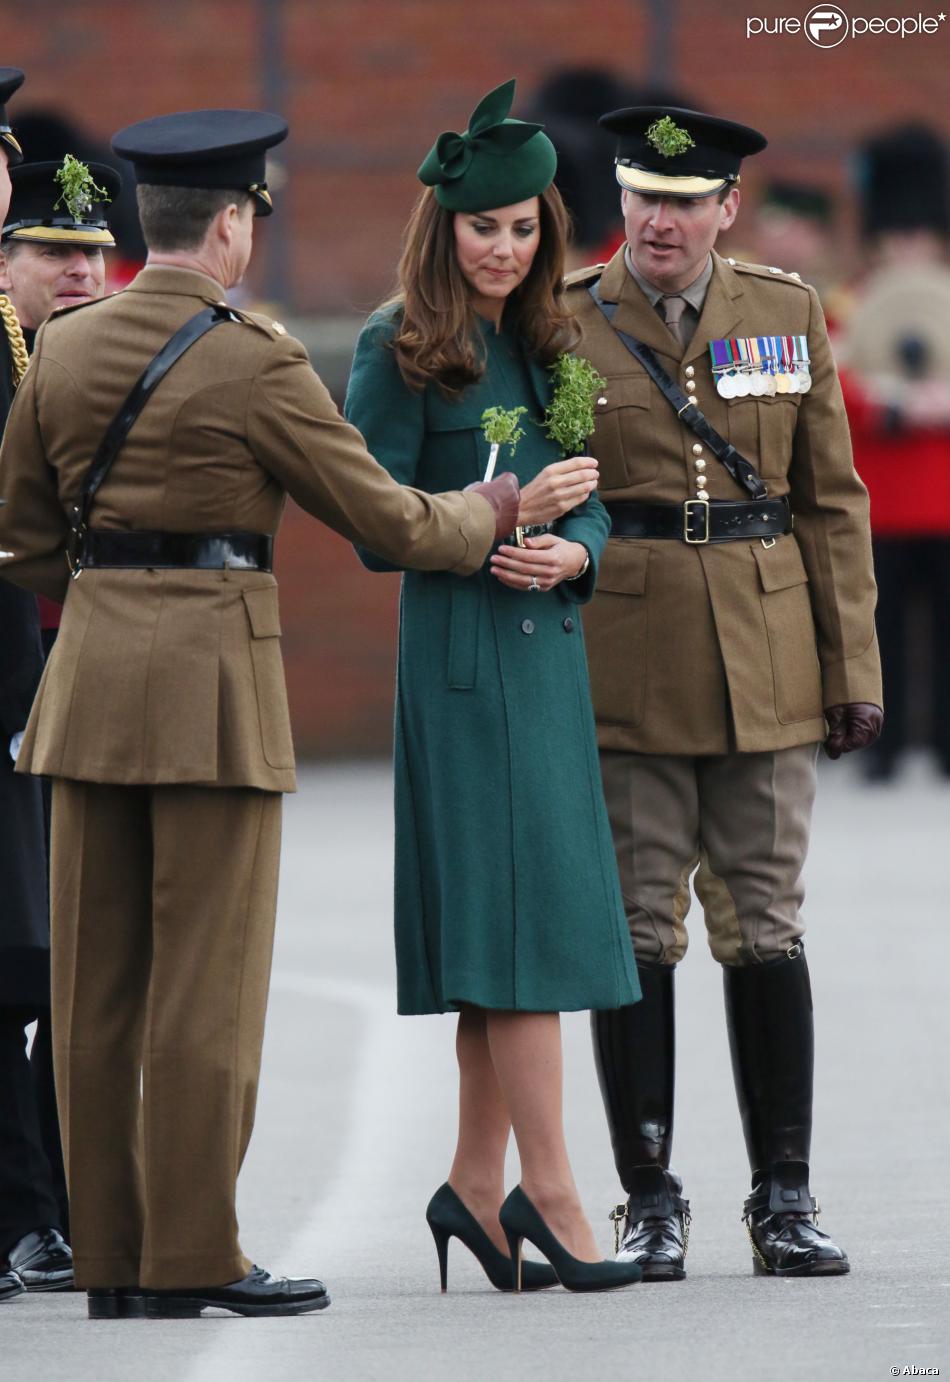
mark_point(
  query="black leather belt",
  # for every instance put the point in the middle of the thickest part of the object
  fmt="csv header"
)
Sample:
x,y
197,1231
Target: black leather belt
x,y
699,521
199,551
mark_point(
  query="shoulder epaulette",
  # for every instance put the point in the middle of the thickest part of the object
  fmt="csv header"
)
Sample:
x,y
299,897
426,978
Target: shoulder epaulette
x,y
766,271
582,277
262,322
77,307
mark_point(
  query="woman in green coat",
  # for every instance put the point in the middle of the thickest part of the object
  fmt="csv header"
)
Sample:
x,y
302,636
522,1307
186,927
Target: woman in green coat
x,y
508,908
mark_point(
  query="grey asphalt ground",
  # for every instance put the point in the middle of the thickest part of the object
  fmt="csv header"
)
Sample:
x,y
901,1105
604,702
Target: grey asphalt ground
x,y
355,1130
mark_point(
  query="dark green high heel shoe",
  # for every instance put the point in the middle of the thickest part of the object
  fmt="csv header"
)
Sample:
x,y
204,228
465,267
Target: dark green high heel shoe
x,y
521,1220
448,1217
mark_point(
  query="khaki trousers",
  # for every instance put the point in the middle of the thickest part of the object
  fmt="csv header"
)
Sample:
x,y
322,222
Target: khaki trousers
x,y
740,820
163,903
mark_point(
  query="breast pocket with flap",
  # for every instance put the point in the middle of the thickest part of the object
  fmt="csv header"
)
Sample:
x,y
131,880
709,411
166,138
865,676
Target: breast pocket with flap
x,y
763,430
623,440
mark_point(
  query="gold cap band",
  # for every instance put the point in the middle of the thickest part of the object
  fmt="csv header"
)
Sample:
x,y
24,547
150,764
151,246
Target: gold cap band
x,y
63,235
639,180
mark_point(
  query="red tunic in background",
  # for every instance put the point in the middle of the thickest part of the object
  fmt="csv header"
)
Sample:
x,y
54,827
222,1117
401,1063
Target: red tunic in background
x,y
907,471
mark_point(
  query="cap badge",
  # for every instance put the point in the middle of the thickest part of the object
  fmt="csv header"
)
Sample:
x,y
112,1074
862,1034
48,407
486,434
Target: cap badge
x,y
79,188
669,138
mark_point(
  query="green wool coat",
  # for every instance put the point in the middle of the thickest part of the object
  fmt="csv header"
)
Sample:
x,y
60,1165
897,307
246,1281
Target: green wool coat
x,y
506,891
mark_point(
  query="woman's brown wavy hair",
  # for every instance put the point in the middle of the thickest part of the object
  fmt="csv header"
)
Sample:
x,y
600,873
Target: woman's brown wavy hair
x,y
437,340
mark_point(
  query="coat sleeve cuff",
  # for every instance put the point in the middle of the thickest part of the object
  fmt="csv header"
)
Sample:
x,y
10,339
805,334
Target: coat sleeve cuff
x,y
854,679
477,532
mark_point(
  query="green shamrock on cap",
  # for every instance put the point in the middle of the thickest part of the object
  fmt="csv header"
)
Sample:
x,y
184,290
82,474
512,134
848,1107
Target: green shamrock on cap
x,y
669,138
79,188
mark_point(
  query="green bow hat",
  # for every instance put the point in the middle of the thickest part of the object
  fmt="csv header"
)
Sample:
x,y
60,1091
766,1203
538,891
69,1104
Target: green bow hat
x,y
495,162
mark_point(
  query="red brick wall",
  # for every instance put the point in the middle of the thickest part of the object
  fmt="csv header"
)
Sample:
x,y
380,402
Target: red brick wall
x,y
367,85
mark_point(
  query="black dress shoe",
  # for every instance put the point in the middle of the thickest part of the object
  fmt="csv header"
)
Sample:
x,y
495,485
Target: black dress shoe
x,y
782,1220
44,1261
258,1293
656,1225
116,1303
11,1286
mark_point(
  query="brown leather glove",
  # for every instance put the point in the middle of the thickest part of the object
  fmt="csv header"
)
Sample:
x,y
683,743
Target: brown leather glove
x,y
504,495
852,726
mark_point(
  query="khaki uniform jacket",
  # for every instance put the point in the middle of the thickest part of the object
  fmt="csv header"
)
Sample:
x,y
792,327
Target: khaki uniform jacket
x,y
707,649
176,676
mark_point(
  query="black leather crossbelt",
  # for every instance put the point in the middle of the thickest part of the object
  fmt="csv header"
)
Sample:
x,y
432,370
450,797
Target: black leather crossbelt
x,y
199,551
699,521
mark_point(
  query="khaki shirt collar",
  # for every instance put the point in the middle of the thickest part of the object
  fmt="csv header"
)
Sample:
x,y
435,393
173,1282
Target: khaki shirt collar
x,y
694,293
163,278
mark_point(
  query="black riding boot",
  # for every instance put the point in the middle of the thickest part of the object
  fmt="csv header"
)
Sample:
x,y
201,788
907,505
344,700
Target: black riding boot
x,y
771,1037
634,1050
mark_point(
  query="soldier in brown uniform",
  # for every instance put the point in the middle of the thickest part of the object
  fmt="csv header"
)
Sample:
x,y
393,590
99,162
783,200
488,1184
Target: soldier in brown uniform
x,y
51,252
162,715
724,646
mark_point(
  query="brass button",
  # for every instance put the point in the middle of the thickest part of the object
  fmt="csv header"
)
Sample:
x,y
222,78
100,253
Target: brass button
x,y
700,464
697,449
690,371
690,386
701,494
601,400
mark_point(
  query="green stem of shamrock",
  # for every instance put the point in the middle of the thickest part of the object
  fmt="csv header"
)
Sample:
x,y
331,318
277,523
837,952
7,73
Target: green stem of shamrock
x,y
501,428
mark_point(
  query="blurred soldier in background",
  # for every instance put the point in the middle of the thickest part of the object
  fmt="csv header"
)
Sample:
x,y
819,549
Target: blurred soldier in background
x,y
33,1253
794,224
895,349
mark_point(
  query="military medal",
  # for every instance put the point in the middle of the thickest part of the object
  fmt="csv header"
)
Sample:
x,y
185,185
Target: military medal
x,y
757,379
802,363
722,367
769,351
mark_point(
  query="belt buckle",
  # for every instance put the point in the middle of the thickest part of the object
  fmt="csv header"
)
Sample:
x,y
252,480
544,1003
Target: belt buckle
x,y
702,504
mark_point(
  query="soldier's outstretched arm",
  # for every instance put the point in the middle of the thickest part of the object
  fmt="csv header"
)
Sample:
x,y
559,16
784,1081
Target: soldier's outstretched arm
x,y
33,526
297,433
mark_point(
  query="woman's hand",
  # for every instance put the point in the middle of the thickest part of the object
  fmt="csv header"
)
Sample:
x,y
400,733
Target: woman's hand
x,y
557,489
546,560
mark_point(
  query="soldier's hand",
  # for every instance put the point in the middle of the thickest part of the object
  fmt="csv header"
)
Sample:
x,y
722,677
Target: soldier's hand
x,y
545,560
503,494
557,489
852,726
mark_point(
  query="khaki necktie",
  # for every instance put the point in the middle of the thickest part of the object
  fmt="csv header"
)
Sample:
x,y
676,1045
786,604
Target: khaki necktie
x,y
673,307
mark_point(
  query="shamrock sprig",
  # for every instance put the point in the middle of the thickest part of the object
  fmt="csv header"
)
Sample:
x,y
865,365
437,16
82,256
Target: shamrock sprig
x,y
669,138
569,417
79,188
500,426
